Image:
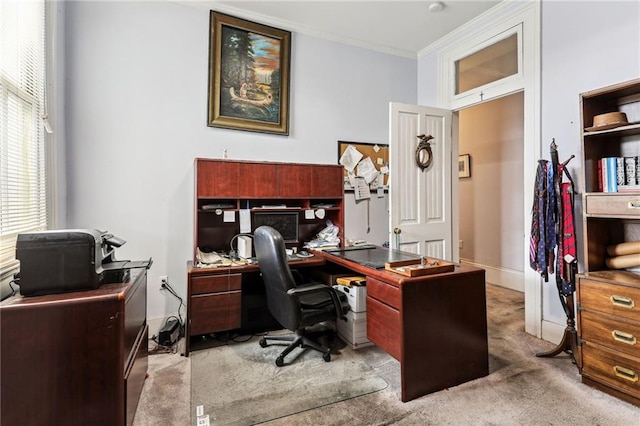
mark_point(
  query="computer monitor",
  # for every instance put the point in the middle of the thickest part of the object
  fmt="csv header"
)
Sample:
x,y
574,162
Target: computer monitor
x,y
286,223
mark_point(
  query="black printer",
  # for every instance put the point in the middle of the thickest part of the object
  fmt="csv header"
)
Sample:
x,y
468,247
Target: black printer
x,y
67,260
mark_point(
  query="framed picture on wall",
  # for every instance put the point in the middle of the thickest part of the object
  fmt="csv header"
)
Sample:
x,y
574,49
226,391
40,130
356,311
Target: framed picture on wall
x,y
464,166
248,75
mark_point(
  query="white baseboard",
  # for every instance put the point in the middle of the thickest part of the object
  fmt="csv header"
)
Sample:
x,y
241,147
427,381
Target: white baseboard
x,y
552,332
503,277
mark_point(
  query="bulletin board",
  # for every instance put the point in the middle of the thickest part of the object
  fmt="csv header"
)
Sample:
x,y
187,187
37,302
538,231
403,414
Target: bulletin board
x,y
379,154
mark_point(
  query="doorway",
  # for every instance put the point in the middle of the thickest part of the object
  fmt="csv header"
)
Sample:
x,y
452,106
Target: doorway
x,y
491,134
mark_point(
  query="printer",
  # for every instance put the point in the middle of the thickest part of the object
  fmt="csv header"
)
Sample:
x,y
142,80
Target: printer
x,y
60,261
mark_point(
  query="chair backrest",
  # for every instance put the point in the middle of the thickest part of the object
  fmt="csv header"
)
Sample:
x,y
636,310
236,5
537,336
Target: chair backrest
x,y
277,277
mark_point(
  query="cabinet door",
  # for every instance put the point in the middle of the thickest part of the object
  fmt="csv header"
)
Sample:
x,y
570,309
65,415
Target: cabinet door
x,y
327,181
257,180
216,179
294,180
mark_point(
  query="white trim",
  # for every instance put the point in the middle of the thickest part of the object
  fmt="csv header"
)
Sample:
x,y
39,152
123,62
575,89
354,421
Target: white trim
x,y
503,277
493,22
503,11
552,332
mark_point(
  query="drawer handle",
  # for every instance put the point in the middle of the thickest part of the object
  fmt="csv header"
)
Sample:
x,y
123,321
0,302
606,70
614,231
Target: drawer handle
x,y
625,302
623,337
625,373
634,204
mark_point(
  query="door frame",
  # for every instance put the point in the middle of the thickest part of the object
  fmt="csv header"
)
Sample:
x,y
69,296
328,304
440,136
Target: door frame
x,y
525,17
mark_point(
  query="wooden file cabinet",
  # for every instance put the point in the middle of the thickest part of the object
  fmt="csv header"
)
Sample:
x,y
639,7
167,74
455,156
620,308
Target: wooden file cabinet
x,y
214,302
609,328
76,358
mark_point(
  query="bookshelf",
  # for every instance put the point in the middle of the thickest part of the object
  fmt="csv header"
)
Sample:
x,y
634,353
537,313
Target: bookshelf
x,y
608,297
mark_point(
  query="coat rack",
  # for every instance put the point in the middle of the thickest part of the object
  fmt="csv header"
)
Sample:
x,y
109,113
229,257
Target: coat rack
x,y
558,201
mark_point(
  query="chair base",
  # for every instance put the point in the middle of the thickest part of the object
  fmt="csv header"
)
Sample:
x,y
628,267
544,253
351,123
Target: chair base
x,y
298,339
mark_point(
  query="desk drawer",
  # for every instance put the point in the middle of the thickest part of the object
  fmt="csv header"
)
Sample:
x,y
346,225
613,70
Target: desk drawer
x,y
384,327
617,205
384,292
616,369
216,283
611,332
610,298
216,312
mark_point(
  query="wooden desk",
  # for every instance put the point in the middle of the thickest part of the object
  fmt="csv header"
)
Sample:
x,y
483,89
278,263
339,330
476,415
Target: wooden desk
x,y
74,358
230,298
435,325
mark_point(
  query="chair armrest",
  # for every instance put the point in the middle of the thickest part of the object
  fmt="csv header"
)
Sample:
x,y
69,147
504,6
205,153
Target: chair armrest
x,y
320,288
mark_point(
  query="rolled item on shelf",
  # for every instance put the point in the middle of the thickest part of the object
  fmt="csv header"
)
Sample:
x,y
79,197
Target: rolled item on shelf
x,y
630,247
626,261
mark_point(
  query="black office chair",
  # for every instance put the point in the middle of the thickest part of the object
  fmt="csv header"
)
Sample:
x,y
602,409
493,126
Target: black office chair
x,y
294,307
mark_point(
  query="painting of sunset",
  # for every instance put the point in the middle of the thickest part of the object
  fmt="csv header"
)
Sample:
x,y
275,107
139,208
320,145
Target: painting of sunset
x,y
249,76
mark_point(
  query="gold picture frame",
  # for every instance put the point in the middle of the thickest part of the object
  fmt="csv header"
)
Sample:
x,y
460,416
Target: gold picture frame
x,y
249,67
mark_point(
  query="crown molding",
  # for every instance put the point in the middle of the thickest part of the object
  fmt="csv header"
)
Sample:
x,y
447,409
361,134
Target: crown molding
x,y
293,27
500,12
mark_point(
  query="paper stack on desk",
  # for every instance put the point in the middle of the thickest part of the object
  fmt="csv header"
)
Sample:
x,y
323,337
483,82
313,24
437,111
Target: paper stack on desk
x,y
327,238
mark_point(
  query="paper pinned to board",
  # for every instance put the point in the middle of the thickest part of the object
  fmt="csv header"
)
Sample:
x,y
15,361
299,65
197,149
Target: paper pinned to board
x,y
350,158
367,170
309,214
361,189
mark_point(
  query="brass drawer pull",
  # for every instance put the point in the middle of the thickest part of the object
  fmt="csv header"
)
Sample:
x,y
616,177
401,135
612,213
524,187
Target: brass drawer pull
x,y
623,337
634,204
625,373
625,302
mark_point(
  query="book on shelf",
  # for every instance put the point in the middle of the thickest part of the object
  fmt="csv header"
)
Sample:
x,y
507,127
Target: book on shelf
x,y
620,171
630,170
617,172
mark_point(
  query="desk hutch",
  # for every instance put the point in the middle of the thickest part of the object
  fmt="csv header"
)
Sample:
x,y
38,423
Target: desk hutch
x,y
222,299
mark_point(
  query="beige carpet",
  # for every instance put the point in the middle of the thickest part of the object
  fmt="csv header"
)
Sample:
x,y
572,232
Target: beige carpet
x,y
521,389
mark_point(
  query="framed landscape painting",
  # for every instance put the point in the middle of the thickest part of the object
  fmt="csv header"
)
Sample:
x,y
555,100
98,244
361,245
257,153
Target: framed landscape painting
x,y
248,75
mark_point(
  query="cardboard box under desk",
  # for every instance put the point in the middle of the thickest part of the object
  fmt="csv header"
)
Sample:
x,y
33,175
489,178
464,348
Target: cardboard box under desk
x,y
353,331
356,296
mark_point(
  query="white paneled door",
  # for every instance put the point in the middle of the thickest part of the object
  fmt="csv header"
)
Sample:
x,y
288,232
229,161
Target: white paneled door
x,y
421,219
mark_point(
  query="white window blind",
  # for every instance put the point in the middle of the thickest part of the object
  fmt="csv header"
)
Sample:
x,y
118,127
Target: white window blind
x,y
23,197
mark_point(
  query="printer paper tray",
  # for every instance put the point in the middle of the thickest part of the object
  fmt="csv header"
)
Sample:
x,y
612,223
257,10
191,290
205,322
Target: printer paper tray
x,y
127,264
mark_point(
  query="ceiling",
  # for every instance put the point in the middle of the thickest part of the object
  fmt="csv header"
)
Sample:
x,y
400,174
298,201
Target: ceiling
x,y
398,27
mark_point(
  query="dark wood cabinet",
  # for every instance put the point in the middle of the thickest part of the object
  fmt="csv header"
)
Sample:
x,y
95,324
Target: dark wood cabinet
x,y
227,187
229,298
76,358
609,300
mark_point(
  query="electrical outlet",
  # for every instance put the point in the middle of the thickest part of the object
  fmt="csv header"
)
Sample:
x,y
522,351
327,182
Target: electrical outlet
x,y
164,279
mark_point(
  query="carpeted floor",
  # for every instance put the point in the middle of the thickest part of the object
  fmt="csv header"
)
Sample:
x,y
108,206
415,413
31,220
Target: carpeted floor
x,y
239,383
521,389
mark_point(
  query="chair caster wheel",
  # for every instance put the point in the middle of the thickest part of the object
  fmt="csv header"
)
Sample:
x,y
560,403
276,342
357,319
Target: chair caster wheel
x,y
326,357
279,361
263,343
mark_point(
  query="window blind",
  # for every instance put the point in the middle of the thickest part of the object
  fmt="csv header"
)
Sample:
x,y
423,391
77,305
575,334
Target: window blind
x,y
23,196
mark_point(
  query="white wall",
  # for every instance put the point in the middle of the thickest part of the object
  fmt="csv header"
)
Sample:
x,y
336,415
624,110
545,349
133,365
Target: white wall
x,y
136,108
585,45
